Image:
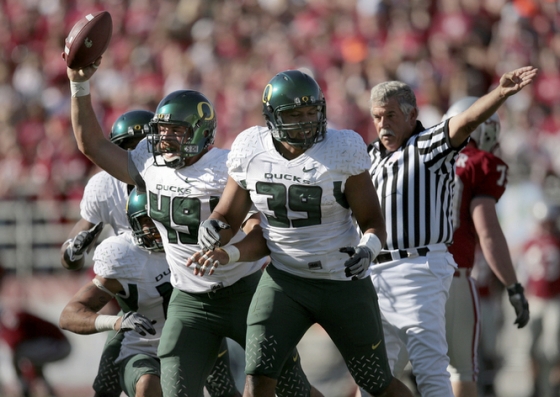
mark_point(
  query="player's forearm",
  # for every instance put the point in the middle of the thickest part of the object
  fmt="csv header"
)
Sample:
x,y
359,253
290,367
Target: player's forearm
x,y
92,142
380,232
232,209
253,247
87,131
365,206
81,314
78,319
496,253
492,240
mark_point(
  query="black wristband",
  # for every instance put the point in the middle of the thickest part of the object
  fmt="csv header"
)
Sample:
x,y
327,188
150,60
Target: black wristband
x,y
515,289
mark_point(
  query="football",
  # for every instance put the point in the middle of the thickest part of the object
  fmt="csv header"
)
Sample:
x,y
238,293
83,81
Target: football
x,y
88,39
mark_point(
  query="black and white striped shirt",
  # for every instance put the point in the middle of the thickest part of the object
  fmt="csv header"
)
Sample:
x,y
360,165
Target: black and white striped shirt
x,y
415,187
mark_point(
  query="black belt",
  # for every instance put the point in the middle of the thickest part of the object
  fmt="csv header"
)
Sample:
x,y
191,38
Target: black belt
x,y
400,254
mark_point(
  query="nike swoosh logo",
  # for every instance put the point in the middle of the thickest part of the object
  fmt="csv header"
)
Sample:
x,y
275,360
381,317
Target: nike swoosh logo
x,y
222,353
309,170
295,357
373,347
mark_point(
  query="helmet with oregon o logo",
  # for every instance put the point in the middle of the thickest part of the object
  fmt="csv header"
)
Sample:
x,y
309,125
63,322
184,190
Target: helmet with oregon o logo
x,y
145,233
130,128
289,90
191,120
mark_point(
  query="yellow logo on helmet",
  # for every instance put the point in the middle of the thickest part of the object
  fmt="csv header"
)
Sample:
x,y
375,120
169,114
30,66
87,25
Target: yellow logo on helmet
x,y
132,129
163,116
267,93
201,113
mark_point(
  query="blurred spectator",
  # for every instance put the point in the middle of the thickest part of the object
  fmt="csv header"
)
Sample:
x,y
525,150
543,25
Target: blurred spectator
x,y
34,343
541,261
444,49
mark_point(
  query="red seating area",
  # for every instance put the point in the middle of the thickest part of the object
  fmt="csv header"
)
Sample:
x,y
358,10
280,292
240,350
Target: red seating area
x,y
444,49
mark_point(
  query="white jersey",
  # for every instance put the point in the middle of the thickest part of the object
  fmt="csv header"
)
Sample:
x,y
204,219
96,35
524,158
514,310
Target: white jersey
x,y
178,200
104,201
145,278
306,218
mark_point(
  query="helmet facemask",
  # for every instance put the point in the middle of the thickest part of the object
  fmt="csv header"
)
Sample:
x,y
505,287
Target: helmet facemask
x,y
291,132
172,146
146,237
289,91
144,231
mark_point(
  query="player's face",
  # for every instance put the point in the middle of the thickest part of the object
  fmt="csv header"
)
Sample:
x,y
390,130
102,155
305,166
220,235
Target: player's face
x,y
148,227
303,119
171,138
391,124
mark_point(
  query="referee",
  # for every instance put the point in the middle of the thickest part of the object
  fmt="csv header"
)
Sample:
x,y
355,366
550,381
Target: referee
x,y
413,172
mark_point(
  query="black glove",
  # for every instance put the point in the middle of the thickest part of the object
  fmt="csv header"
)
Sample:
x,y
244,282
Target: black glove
x,y
359,262
137,322
519,303
209,233
79,244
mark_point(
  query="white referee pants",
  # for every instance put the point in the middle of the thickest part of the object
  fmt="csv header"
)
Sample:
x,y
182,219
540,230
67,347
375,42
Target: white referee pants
x,y
412,295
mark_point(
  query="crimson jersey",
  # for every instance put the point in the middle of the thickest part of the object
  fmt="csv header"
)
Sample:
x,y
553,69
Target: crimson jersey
x,y
541,260
21,326
477,173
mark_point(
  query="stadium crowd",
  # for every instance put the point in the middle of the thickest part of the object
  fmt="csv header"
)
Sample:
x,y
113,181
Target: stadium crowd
x,y
229,49
444,49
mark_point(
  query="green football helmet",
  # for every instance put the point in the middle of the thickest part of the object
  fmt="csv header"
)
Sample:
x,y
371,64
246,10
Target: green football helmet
x,y
137,214
288,90
130,128
182,108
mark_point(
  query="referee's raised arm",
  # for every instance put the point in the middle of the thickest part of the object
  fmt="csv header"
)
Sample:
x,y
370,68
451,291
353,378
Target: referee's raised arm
x,y
462,125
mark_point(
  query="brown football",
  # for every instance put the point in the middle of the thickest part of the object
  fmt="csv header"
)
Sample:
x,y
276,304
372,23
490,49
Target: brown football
x,y
88,39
